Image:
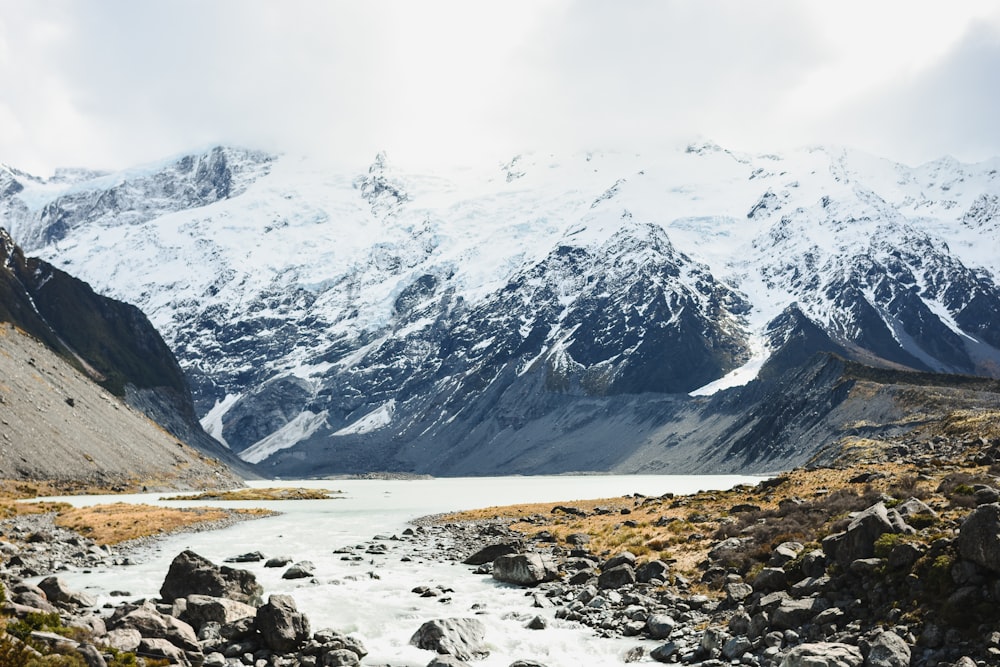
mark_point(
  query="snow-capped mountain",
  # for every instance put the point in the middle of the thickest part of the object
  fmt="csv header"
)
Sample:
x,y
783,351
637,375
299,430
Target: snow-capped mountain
x,y
393,318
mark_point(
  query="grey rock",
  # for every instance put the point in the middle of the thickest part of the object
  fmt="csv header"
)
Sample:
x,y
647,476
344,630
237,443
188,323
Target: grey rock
x,y
526,663
302,570
202,609
278,561
191,574
738,592
888,650
823,654
91,656
624,558
124,639
460,637
340,657
858,541
616,577
979,537
784,553
156,647
664,652
447,661
528,569
736,647
282,627
57,591
770,579
914,507
654,569
490,553
151,624
791,614
660,626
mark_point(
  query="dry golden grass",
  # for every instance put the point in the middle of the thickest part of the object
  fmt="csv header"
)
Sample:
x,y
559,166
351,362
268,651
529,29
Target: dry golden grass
x,y
276,493
681,529
119,522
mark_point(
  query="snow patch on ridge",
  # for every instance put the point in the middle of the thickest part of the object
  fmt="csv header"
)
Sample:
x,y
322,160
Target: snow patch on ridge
x,y
212,422
304,425
374,420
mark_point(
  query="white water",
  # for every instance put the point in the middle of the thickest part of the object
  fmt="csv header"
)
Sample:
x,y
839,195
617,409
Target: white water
x,y
383,612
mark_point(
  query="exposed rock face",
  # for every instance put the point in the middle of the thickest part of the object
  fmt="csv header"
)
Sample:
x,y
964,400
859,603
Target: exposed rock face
x,y
459,637
109,341
191,574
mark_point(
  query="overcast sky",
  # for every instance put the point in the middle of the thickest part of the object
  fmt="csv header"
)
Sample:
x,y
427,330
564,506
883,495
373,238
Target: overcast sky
x,y
116,83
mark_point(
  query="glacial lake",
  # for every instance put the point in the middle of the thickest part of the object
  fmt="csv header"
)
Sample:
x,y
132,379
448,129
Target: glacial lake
x,y
381,610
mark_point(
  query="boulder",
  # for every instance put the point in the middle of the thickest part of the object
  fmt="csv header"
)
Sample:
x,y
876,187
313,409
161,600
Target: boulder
x,y
282,628
737,591
490,553
202,609
447,661
278,561
124,639
888,650
191,574
784,553
771,579
91,655
791,614
979,537
340,657
664,652
56,591
660,626
151,624
162,649
252,557
304,569
459,637
528,569
858,541
616,577
823,654
624,558
654,569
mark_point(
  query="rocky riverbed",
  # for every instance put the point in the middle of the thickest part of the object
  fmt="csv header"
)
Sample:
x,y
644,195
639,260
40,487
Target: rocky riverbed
x,y
898,581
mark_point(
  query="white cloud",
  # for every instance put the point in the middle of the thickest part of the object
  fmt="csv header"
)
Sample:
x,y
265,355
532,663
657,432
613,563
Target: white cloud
x,y
115,83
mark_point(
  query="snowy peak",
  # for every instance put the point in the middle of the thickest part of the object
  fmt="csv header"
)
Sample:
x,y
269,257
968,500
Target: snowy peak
x,y
78,198
381,189
339,314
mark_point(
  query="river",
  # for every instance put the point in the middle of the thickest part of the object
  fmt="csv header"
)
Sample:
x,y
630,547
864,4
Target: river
x,y
381,610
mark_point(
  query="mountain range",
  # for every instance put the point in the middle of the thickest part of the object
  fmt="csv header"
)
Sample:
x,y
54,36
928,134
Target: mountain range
x,y
684,311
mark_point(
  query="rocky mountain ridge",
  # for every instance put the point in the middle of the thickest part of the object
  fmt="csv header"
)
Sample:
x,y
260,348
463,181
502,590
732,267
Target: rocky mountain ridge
x,y
466,321
55,321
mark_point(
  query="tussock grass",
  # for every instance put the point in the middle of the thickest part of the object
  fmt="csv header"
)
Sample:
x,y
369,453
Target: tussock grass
x,y
119,522
277,493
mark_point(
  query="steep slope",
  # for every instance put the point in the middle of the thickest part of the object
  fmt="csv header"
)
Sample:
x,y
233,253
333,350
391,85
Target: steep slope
x,y
333,320
110,341
56,424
